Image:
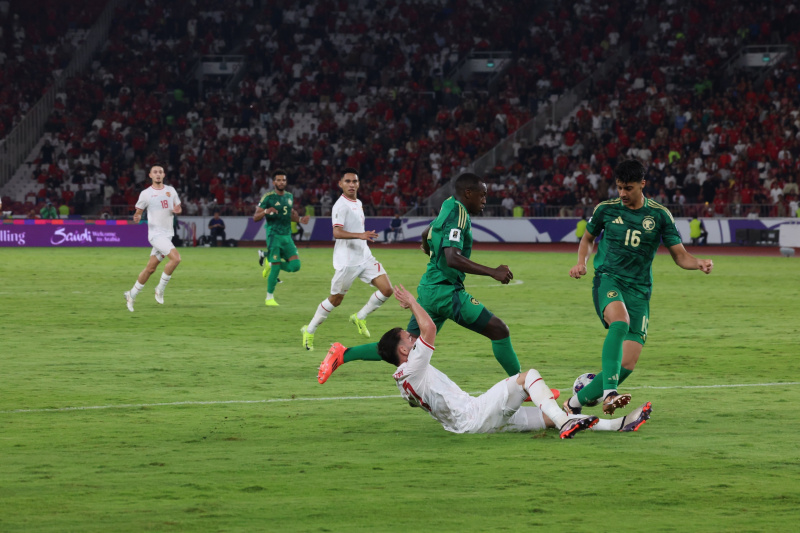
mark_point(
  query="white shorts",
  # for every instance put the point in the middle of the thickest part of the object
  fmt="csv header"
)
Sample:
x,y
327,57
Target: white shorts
x,y
499,410
162,246
366,272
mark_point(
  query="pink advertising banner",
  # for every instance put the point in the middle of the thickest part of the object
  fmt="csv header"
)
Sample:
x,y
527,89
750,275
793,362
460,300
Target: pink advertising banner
x,y
20,233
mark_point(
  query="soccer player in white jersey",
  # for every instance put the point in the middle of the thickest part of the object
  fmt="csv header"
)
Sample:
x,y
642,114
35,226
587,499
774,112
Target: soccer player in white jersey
x,y
498,409
162,203
352,259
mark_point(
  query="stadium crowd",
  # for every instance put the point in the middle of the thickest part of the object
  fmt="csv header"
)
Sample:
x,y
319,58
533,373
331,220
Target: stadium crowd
x,y
331,84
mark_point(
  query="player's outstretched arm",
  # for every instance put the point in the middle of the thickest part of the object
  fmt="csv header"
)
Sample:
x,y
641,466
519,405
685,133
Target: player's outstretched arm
x,y
137,217
584,251
259,214
339,233
459,262
427,329
687,261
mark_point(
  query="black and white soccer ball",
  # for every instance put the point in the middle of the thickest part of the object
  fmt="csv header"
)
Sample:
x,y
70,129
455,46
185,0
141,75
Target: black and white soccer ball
x,y
580,382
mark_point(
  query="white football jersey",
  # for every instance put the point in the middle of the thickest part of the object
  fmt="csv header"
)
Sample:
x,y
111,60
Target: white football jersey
x,y
422,384
349,215
159,204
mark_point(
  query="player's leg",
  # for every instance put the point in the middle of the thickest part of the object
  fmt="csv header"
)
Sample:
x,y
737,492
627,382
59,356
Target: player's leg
x,y
639,313
275,259
468,312
542,397
375,275
342,280
289,251
174,260
144,275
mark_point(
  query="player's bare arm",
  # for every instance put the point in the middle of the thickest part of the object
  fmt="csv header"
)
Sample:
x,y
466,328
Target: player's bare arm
x,y
459,262
259,214
687,261
137,216
427,329
584,251
297,218
339,233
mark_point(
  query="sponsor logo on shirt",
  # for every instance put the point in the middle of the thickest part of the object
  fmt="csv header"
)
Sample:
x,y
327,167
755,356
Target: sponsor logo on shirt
x,y
618,220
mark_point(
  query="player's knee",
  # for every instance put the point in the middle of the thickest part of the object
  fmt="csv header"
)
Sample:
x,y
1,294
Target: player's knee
x,y
388,291
293,265
336,299
496,329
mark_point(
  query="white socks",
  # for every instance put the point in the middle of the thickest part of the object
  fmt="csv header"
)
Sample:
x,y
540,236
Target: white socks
x,y
136,288
542,397
375,301
320,316
163,283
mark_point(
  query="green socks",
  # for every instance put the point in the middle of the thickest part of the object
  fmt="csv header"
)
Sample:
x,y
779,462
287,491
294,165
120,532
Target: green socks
x,y
503,352
272,280
612,354
290,266
506,356
594,390
365,352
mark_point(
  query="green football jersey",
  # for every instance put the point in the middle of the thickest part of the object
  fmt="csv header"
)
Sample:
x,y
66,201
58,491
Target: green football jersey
x,y
630,241
452,228
281,222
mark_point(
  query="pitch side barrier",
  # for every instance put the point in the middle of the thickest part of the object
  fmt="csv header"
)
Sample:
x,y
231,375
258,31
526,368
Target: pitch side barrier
x,y
69,232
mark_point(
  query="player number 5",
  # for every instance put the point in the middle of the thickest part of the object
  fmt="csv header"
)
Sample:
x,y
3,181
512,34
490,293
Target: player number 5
x,y
632,236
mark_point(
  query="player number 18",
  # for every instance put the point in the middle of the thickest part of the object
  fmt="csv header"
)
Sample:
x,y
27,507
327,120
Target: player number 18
x,y
632,237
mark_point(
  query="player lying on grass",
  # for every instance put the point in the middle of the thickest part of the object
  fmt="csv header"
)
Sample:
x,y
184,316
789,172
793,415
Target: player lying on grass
x,y
498,409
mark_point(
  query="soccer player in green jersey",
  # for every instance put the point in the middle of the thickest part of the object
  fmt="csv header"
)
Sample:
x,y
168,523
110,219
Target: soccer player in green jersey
x,y
633,227
441,290
277,208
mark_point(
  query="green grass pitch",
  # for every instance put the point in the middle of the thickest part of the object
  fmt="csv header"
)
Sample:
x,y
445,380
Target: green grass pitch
x,y
204,414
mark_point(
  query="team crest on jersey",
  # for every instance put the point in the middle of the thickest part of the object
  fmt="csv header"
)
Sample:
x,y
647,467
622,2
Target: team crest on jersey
x,y
474,301
612,294
649,223
289,202
168,194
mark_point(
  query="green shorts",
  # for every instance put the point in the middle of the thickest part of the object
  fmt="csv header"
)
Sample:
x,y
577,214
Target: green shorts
x,y
280,247
447,301
606,289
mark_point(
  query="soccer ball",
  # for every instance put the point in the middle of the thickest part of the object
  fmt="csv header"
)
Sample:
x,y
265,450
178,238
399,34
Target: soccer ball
x,y
580,382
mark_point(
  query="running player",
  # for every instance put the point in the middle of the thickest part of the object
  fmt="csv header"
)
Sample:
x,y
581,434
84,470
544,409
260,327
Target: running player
x,y
277,209
352,259
162,204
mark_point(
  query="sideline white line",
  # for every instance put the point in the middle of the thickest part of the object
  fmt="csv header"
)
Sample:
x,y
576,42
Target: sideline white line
x,y
339,398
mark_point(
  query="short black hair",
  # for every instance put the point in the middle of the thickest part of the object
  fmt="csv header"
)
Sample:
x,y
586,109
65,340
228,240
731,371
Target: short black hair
x,y
387,346
279,172
465,181
349,170
630,171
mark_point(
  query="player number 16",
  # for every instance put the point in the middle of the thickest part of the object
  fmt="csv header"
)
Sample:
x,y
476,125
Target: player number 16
x,y
632,237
